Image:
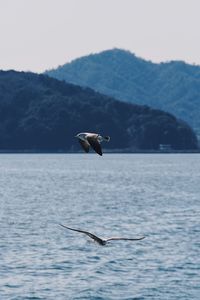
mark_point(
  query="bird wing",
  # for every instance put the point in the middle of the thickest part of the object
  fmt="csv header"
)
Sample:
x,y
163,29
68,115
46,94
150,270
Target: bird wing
x,y
94,143
85,145
92,236
124,239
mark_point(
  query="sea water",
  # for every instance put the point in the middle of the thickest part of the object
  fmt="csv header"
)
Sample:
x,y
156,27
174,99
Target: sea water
x,y
131,195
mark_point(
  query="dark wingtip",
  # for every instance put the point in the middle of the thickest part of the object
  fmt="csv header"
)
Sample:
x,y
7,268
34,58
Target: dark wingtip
x,y
61,225
100,153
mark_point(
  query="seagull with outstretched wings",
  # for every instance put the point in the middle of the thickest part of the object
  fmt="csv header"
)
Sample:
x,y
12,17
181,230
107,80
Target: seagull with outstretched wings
x,y
101,241
87,140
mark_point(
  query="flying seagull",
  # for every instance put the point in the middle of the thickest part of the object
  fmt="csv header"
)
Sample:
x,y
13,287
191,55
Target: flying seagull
x,y
100,241
87,139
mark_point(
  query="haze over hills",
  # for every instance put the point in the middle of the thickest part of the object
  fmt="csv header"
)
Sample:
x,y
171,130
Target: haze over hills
x,y
172,86
40,113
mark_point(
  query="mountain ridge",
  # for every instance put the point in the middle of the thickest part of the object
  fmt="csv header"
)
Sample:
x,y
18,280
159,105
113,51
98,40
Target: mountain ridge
x,y
40,113
171,86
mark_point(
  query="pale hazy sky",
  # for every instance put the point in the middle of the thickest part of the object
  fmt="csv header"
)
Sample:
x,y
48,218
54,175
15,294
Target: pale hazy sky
x,y
36,35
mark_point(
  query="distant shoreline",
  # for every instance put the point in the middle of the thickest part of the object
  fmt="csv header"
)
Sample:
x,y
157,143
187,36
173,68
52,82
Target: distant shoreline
x,y
117,151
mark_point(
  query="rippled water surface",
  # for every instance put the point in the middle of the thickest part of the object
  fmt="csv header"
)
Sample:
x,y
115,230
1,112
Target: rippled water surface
x,y
157,196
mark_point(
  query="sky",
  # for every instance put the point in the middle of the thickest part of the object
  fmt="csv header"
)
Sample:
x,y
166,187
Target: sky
x,y
38,35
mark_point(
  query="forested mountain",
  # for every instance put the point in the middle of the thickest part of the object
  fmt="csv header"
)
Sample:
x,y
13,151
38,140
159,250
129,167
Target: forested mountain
x,y
172,86
41,113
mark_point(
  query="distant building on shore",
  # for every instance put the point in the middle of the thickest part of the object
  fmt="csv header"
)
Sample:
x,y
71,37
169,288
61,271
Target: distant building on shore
x,y
165,147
